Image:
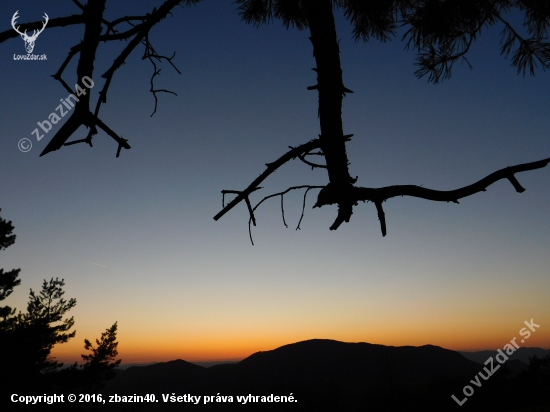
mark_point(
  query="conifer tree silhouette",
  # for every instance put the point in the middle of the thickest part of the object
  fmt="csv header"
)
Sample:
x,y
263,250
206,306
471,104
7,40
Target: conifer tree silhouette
x,y
9,279
27,339
101,361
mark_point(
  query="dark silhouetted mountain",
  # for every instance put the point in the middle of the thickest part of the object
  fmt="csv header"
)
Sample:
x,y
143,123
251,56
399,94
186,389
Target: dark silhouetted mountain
x,y
521,354
165,374
320,374
327,375
214,363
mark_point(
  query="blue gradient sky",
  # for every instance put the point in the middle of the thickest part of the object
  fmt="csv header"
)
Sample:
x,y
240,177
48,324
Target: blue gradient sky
x,y
181,285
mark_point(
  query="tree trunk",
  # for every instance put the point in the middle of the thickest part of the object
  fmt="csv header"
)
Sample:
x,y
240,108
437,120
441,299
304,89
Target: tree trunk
x,y
331,91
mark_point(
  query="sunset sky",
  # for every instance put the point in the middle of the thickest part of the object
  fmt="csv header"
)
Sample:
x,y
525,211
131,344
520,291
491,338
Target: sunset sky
x,y
135,240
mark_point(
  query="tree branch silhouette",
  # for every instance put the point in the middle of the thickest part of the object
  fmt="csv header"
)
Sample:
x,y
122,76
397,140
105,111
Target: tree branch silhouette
x,y
94,24
271,167
379,195
281,194
441,33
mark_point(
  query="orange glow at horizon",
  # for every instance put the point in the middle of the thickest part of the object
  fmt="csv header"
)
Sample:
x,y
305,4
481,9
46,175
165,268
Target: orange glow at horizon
x,y
220,347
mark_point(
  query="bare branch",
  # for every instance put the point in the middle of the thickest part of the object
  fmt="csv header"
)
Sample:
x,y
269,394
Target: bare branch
x,y
383,193
92,16
157,15
251,210
345,210
234,192
381,217
284,192
117,63
123,35
127,19
57,76
151,54
271,167
86,140
122,143
142,32
302,157
79,5
249,206
283,210
304,206
91,121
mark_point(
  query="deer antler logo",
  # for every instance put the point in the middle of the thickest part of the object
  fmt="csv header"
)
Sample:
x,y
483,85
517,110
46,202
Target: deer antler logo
x,y
29,40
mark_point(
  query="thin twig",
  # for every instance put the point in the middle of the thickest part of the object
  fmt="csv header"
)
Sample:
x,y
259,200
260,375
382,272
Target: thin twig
x,y
307,187
302,157
303,209
283,211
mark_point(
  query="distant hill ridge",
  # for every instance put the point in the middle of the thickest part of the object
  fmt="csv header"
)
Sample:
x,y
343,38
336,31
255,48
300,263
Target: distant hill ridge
x,y
322,374
521,354
328,375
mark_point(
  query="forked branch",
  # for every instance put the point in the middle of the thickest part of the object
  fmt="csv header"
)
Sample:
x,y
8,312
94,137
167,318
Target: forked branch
x,y
271,167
